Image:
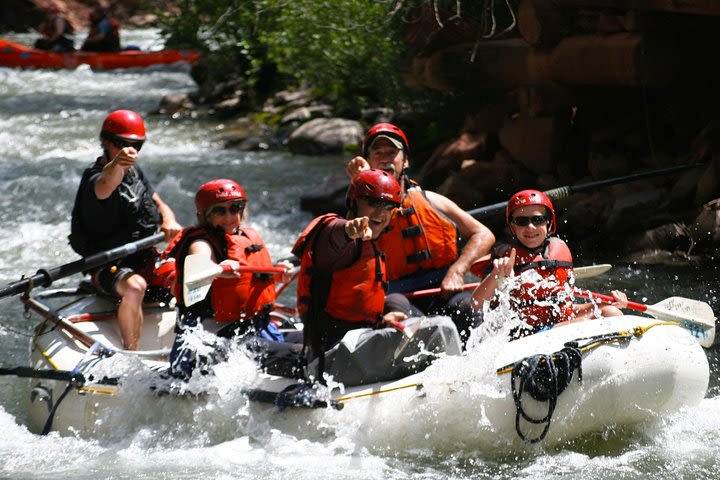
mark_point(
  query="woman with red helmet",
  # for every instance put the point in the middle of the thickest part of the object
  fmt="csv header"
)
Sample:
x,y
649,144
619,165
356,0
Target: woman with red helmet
x,y
116,204
542,294
238,303
342,286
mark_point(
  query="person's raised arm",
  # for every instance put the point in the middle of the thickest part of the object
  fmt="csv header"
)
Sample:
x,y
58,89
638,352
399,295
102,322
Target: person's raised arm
x,y
114,171
502,269
479,241
355,166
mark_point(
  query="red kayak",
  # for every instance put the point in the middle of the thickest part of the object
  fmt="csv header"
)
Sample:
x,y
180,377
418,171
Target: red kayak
x,y
16,55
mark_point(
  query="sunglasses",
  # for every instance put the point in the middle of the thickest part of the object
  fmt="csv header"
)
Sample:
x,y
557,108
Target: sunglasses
x,y
380,203
537,220
233,209
136,144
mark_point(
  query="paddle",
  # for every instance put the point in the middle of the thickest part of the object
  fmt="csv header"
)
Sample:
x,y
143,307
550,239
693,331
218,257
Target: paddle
x,y
693,315
408,332
564,192
200,270
579,272
45,277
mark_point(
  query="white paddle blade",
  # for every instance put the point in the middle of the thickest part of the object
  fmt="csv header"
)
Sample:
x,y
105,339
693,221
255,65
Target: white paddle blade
x,y
199,272
591,270
694,315
408,334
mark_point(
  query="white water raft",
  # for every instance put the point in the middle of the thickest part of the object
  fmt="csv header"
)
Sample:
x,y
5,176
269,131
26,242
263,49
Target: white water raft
x,y
653,369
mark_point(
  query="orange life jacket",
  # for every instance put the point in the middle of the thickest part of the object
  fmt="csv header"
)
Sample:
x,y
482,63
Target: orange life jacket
x,y
418,238
353,294
545,302
232,298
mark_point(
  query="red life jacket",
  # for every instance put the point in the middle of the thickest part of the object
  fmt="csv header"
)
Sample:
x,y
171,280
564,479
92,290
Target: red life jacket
x,y
419,237
232,298
545,302
353,294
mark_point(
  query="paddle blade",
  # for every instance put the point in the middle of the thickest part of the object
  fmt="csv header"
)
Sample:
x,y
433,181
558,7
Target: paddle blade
x,y
694,315
199,272
591,270
408,334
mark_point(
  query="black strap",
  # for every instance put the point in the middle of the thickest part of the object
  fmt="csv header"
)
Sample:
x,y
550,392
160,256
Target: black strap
x,y
253,248
414,231
418,257
547,264
406,212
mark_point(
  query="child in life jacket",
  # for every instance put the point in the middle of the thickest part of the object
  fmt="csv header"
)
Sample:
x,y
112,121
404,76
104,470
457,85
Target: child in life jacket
x,y
544,294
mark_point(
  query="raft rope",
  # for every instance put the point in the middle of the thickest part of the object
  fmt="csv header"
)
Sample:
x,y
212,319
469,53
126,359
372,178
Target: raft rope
x,y
77,380
545,377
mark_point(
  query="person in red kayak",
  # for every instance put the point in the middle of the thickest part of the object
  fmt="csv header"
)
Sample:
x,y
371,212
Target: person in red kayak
x,y
350,331
424,238
57,32
104,34
116,204
542,294
239,304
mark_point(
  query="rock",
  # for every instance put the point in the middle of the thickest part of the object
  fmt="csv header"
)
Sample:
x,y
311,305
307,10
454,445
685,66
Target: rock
x,y
174,103
323,136
463,192
634,209
296,98
231,107
531,141
607,165
672,237
328,196
495,182
143,20
303,114
707,187
450,155
377,115
705,231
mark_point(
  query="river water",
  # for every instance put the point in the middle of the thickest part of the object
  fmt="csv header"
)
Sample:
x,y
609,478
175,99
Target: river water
x,y
49,124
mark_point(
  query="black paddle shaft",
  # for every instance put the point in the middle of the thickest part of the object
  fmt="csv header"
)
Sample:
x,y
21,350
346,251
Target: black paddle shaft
x,y
45,278
561,193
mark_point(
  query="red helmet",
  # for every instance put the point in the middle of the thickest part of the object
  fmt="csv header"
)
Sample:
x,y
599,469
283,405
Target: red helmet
x,y
375,183
218,191
123,124
387,130
531,197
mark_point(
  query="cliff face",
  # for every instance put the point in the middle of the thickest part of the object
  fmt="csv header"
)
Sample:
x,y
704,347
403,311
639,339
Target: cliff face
x,y
581,90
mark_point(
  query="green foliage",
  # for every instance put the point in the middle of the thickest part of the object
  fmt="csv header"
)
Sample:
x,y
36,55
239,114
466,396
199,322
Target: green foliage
x,y
345,50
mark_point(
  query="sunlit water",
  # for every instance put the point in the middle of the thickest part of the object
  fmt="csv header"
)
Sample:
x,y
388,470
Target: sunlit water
x,y
49,125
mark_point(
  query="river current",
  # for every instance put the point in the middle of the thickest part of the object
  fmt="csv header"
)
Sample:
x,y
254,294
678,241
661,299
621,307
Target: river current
x,y
49,124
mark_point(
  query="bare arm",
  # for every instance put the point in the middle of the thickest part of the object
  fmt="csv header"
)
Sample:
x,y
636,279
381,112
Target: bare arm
x,y
114,171
170,226
479,240
202,247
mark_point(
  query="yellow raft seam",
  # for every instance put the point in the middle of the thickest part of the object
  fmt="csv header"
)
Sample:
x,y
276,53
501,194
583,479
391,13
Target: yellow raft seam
x,y
361,395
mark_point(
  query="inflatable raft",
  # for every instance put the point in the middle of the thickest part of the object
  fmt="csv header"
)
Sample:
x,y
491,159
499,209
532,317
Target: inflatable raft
x,y
20,56
550,387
